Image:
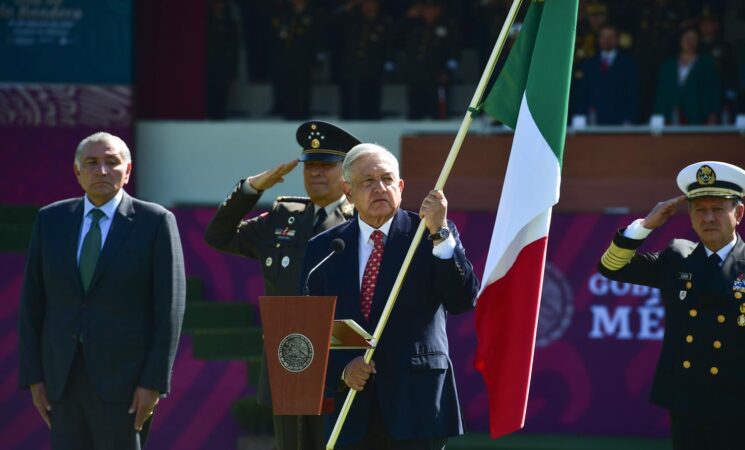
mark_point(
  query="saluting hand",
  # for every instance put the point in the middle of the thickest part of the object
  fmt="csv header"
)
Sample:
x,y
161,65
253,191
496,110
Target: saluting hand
x,y
662,211
434,211
269,178
357,373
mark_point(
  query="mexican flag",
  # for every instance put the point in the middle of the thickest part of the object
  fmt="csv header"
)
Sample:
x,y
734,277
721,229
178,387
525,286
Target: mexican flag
x,y
531,96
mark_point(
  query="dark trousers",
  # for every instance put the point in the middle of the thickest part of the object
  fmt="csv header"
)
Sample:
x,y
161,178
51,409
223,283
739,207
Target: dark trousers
x,y
378,438
81,420
309,437
691,432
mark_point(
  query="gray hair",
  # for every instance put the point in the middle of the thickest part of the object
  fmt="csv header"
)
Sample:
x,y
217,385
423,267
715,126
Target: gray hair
x,y
366,149
109,138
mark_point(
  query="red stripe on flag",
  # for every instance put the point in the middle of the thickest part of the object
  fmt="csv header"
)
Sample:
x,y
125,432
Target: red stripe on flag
x,y
506,320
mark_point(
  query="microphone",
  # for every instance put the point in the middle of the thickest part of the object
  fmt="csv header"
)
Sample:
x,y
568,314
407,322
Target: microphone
x,y
337,246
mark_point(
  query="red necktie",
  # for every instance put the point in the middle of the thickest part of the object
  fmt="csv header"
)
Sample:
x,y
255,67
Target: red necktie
x,y
370,277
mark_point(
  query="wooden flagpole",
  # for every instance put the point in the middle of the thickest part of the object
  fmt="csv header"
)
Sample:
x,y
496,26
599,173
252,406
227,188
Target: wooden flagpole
x,y
449,162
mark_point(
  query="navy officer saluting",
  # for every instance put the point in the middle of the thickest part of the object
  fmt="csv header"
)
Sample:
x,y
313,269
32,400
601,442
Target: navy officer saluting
x,y
278,238
700,374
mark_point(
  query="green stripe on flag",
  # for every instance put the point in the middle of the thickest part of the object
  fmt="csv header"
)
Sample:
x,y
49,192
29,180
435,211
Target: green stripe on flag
x,y
539,65
503,101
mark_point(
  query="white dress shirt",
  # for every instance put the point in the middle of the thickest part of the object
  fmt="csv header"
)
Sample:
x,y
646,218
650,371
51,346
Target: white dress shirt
x,y
443,250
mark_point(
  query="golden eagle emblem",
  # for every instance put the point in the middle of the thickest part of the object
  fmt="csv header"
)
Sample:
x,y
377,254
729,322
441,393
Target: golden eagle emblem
x,y
706,176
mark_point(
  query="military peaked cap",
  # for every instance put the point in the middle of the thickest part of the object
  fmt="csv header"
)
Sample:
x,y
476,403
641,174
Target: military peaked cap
x,y
712,179
322,141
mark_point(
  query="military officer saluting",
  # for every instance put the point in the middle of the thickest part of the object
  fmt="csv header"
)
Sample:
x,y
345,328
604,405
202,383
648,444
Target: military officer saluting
x,y
278,238
700,374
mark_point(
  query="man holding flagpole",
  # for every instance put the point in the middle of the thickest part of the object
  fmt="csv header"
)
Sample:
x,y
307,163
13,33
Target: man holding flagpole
x,y
406,396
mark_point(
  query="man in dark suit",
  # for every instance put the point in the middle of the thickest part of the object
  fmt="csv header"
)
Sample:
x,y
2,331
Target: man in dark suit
x,y
278,238
701,367
608,90
101,307
407,396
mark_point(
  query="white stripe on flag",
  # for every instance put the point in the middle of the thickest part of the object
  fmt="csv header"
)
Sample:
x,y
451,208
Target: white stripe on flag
x,y
531,188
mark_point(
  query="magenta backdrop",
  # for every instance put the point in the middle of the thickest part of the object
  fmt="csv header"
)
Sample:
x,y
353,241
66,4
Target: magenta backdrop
x,y
40,127
591,375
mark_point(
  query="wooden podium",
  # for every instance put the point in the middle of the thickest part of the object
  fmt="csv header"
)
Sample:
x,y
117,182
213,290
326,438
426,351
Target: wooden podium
x,y
297,333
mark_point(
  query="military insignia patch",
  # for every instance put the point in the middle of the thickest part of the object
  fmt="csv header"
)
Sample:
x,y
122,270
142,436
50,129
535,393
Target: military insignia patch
x,y
315,143
284,234
682,295
706,176
739,284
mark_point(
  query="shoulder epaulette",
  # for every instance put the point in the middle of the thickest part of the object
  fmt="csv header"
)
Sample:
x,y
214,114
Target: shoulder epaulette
x,y
289,199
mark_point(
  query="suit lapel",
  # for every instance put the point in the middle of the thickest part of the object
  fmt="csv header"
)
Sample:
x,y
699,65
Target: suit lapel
x,y
121,225
347,270
396,246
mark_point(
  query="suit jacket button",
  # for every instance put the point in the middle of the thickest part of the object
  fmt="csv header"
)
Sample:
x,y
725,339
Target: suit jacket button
x,y
720,318
717,344
686,364
689,338
714,370
693,312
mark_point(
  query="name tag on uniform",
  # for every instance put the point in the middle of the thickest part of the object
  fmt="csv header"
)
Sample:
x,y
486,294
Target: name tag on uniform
x,y
685,276
284,234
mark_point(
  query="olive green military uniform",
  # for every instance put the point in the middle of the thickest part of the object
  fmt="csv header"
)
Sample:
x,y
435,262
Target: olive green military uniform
x,y
277,239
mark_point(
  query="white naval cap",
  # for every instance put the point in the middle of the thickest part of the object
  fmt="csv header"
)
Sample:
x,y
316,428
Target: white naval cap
x,y
712,179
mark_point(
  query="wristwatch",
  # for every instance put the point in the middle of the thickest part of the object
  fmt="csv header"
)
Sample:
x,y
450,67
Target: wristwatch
x,y
443,233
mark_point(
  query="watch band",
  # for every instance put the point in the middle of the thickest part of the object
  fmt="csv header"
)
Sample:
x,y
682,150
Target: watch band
x,y
442,233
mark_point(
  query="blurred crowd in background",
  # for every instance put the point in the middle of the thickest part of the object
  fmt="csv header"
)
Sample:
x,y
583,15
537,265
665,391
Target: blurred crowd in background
x,y
633,59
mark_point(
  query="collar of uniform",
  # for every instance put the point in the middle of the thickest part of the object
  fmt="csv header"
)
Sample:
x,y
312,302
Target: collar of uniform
x,y
724,251
330,208
108,208
366,230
